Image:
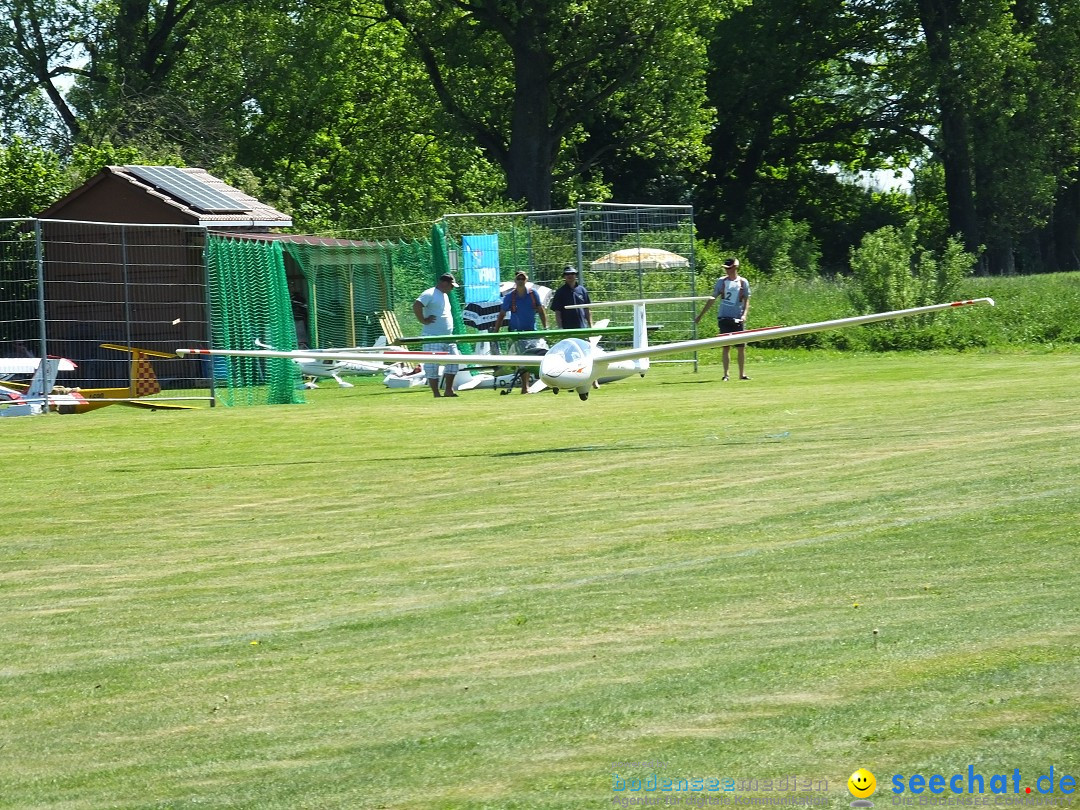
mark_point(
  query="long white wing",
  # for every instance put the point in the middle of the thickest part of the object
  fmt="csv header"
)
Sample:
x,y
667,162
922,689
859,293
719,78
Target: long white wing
x,y
28,365
389,357
751,336
757,335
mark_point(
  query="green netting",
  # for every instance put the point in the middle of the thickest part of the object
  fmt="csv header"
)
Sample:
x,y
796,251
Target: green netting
x,y
349,284
249,302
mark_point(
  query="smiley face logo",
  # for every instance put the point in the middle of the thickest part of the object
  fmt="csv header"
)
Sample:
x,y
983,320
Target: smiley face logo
x,y
862,784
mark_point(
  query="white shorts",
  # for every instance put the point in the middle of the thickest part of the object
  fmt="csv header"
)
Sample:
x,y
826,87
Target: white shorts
x,y
431,370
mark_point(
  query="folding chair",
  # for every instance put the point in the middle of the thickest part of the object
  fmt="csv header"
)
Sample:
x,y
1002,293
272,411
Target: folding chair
x,y
391,328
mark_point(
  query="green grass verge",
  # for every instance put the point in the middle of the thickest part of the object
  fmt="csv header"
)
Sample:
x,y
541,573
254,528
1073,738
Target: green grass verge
x,y
1032,312
378,599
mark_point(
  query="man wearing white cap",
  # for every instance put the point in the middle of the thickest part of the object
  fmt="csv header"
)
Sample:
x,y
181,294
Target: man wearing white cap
x,y
432,309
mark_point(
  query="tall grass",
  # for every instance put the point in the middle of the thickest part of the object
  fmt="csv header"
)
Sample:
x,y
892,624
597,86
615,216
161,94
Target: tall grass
x,y
1040,311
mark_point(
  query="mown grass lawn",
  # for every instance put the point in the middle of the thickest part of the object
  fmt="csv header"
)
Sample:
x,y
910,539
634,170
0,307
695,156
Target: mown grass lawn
x,y
382,600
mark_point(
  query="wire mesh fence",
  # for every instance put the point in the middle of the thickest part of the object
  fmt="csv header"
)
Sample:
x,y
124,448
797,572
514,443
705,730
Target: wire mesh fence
x,y
88,291
620,251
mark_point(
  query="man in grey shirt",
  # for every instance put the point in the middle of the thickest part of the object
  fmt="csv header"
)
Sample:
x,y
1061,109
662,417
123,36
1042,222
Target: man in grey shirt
x,y
734,293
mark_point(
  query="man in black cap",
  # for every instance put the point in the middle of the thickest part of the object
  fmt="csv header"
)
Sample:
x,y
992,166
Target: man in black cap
x,y
733,292
432,309
571,292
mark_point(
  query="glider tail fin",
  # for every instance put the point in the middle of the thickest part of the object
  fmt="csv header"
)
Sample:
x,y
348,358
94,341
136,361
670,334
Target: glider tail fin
x,y
43,381
641,333
601,324
143,381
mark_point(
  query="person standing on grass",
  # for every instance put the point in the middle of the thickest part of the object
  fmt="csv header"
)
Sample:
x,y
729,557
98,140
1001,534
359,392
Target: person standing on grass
x,y
432,309
524,305
570,293
734,293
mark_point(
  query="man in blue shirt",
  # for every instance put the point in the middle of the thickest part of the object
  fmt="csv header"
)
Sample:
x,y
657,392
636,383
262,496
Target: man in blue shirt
x,y
571,293
524,305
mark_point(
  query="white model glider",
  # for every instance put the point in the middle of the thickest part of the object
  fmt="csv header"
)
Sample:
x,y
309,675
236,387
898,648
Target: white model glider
x,y
312,363
29,365
34,399
574,363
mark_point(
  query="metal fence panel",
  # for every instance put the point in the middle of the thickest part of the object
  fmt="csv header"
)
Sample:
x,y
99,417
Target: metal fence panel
x,y
542,243
67,288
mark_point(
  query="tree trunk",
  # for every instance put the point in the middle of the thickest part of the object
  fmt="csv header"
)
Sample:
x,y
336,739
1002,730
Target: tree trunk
x,y
534,145
955,135
1064,227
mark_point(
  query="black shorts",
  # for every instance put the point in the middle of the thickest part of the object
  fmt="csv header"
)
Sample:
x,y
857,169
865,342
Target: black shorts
x,y
726,325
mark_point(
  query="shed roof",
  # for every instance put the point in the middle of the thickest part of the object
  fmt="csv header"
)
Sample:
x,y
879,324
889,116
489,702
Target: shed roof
x,y
248,213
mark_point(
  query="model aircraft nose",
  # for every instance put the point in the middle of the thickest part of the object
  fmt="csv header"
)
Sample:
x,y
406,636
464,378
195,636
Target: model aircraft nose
x,y
568,364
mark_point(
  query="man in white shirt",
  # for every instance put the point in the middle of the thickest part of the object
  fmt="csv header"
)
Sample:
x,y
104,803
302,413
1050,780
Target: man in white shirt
x,y
432,309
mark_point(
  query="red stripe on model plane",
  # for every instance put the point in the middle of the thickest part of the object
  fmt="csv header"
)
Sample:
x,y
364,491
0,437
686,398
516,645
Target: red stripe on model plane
x,y
314,354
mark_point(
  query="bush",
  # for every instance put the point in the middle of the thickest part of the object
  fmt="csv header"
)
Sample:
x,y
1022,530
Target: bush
x,y
780,248
1032,311
890,271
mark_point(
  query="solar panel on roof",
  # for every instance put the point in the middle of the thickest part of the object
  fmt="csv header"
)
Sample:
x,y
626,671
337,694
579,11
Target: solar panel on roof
x,y
187,189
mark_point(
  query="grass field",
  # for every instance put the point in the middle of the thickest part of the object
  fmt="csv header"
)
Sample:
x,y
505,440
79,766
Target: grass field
x,y
380,600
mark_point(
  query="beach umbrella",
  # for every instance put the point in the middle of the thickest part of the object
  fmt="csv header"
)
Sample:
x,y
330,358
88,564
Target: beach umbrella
x,y
645,258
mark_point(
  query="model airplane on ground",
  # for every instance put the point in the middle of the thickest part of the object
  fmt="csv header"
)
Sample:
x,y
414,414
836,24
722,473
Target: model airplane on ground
x,y
41,393
501,377
575,364
313,365
29,399
10,366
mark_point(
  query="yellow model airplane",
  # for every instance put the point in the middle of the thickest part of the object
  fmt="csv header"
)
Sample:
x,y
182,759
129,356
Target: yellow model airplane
x,y
144,383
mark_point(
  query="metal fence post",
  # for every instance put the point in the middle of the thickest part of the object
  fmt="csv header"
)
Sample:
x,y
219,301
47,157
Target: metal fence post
x,y
209,317
39,260
127,284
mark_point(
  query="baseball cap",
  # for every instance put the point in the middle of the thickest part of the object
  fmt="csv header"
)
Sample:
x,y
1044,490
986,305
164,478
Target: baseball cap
x,y
450,278
569,269
521,274
732,262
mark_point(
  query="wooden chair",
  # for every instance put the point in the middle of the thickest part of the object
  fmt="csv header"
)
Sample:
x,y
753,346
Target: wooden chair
x,y
390,327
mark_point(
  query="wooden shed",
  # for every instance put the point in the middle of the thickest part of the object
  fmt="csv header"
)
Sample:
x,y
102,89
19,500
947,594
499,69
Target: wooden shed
x,y
124,260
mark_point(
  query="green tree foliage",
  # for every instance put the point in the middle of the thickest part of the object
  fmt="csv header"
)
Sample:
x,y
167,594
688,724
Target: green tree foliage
x,y
31,179
350,132
982,88
364,112
800,88
1005,114
782,248
891,271
550,88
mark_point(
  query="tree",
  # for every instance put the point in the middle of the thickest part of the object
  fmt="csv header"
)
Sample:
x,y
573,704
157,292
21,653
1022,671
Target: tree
x,y
348,133
30,179
533,82
802,89
39,48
